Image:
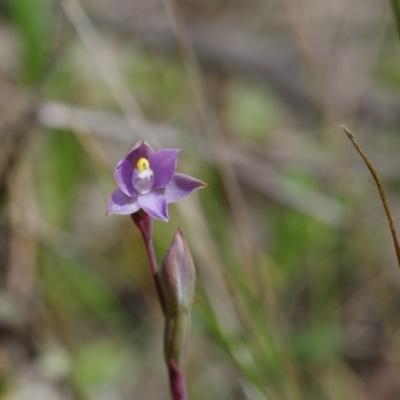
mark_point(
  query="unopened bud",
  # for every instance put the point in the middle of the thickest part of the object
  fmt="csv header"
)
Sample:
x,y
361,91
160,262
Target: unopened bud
x,y
177,279
178,275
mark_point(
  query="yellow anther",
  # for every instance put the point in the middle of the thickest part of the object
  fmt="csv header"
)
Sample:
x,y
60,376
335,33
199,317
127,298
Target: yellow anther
x,y
142,164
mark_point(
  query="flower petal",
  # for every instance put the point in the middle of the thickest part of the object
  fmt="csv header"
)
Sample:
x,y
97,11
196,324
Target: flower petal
x,y
180,186
163,163
120,203
155,205
139,150
123,176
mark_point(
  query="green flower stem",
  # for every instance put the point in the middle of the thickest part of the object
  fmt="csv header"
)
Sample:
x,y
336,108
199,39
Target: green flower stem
x,y
176,337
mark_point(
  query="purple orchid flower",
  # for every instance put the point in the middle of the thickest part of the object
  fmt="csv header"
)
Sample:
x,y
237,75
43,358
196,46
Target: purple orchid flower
x,y
147,180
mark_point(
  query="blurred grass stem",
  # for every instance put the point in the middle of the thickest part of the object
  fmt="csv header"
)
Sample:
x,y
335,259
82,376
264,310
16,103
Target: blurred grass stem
x,y
302,37
105,61
244,229
381,190
213,131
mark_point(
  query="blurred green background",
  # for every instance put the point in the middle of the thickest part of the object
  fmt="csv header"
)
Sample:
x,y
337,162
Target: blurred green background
x,y
298,287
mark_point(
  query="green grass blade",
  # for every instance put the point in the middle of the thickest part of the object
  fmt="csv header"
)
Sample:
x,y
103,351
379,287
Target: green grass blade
x,y
396,13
